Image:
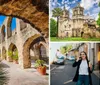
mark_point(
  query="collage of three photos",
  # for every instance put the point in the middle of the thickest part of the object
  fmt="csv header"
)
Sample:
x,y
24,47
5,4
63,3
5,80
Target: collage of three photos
x,y
49,42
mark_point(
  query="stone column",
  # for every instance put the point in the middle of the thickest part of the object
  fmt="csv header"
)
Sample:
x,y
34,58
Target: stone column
x,y
19,43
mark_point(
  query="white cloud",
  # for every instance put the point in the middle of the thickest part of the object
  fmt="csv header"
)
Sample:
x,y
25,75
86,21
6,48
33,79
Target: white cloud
x,y
63,1
67,7
87,4
73,2
55,3
94,16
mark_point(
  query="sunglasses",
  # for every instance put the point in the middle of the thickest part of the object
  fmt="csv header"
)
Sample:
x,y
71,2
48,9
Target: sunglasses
x,y
82,54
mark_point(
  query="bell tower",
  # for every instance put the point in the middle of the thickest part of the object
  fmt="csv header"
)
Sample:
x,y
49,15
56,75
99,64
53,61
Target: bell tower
x,y
65,12
78,12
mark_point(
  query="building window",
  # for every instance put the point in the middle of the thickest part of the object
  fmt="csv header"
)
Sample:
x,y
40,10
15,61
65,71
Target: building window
x,y
65,26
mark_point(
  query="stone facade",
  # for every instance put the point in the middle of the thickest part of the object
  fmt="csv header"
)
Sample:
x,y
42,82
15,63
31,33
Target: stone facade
x,y
74,26
30,43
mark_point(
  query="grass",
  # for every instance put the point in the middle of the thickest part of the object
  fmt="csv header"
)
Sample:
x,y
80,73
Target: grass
x,y
74,39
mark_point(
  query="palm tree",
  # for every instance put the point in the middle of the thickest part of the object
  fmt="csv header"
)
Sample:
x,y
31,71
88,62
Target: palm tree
x,y
57,12
3,76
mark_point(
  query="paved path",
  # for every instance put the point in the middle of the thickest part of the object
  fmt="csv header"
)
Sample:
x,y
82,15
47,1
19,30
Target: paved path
x,y
18,76
63,74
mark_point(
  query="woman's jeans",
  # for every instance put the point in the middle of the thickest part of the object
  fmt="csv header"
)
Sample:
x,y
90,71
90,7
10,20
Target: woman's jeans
x,y
83,80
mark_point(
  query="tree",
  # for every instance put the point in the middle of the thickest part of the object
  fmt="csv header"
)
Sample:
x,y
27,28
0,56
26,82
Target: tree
x,y
65,49
98,20
99,4
53,28
56,12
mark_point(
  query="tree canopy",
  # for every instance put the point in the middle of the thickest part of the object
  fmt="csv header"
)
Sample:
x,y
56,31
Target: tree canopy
x,y
53,28
56,12
98,20
65,49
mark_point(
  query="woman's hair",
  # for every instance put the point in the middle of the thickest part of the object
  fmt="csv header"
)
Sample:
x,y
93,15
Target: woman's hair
x,y
85,55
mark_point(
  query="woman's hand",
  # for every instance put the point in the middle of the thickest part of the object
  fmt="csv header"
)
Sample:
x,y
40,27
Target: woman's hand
x,y
77,59
90,65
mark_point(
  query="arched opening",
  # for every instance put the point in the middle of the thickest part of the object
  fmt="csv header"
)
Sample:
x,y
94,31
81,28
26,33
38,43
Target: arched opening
x,y
4,56
32,50
3,33
22,24
67,34
82,34
13,53
11,25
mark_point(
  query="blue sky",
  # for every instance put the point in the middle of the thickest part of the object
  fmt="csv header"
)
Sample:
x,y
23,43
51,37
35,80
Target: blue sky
x,y
90,6
13,25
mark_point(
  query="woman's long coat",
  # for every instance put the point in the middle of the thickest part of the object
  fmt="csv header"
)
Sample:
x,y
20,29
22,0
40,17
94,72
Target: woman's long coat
x,y
75,79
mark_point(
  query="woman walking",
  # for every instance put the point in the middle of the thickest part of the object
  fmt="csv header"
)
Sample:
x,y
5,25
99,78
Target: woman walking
x,y
84,70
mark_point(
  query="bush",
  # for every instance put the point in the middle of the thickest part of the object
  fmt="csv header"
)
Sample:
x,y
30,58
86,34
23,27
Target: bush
x,y
10,53
15,55
39,63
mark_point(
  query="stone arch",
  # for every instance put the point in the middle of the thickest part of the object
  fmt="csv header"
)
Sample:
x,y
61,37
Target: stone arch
x,y
4,56
37,17
3,33
12,48
33,40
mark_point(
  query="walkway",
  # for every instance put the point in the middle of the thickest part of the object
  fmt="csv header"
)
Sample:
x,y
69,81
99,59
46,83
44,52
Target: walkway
x,y
63,74
18,76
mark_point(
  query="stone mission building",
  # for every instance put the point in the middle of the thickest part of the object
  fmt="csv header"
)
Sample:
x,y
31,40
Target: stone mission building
x,y
74,26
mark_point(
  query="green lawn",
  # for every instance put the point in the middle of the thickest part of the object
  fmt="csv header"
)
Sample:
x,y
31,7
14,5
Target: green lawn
x,y
74,39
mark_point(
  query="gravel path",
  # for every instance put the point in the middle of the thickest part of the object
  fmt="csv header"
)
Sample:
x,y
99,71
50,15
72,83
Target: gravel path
x,y
18,76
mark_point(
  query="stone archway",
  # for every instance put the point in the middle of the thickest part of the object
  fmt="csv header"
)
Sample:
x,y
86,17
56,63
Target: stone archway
x,y
4,56
32,41
3,33
12,48
34,12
